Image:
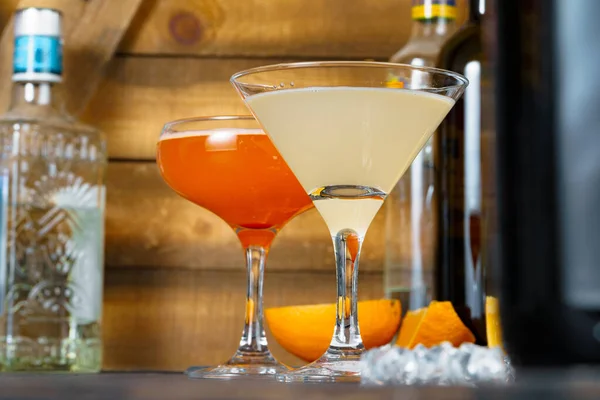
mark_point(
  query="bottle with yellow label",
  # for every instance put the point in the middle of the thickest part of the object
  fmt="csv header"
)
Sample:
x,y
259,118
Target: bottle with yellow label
x,y
410,219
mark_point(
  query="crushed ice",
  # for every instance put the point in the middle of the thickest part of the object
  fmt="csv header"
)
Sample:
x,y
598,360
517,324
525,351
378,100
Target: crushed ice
x,y
467,365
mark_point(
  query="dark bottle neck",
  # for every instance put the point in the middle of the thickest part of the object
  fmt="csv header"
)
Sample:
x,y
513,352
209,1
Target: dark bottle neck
x,y
476,11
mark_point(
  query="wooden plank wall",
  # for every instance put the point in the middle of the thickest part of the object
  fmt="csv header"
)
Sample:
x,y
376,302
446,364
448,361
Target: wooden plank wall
x,y
174,278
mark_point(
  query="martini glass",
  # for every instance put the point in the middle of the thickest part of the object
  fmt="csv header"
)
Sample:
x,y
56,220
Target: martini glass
x,y
348,131
228,165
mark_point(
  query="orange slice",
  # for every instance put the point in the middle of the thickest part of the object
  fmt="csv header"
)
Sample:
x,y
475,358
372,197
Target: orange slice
x,y
410,326
433,325
305,331
492,322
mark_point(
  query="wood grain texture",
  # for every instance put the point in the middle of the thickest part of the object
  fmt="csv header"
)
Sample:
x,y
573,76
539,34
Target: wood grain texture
x,y
71,9
7,7
148,225
91,45
272,28
161,319
138,95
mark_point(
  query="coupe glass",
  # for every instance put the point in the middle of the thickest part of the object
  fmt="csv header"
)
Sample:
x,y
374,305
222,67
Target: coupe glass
x,y
228,165
348,131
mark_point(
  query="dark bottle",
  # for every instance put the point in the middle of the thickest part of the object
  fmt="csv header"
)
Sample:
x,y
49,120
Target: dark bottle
x,y
547,99
460,276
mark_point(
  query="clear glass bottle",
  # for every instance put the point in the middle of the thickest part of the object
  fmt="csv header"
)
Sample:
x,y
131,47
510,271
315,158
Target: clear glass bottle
x,y
410,208
51,214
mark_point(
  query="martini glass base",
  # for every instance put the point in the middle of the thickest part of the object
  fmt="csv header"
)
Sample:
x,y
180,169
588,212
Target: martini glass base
x,y
331,367
241,366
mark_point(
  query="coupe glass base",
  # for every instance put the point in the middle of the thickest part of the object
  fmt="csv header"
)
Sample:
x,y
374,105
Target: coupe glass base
x,y
241,367
327,369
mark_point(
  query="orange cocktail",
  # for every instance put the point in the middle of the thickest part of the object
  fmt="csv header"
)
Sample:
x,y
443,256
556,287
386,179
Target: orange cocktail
x,y
229,166
238,175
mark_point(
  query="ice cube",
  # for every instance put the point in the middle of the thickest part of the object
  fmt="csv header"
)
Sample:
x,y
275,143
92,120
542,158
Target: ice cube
x,y
467,365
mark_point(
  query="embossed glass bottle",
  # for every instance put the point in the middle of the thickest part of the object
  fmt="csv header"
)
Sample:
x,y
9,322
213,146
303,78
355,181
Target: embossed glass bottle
x,y
51,214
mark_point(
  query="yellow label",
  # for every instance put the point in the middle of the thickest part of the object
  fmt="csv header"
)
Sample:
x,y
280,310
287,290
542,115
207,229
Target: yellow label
x,y
492,322
394,82
434,11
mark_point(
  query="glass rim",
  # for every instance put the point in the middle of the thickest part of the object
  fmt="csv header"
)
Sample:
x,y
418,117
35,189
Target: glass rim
x,y
463,82
209,118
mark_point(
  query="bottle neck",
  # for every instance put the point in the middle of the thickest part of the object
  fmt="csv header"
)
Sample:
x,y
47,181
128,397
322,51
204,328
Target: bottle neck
x,y
37,70
36,99
439,27
476,11
433,18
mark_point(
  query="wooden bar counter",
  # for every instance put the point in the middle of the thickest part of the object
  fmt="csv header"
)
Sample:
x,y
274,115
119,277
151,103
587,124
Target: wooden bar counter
x,y
546,385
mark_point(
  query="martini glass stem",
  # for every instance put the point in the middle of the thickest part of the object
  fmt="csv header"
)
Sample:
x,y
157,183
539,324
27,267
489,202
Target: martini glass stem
x,y
346,338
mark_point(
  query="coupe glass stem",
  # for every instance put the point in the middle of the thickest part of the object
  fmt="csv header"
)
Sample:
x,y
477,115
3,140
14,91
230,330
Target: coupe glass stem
x,y
254,339
346,338
252,356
